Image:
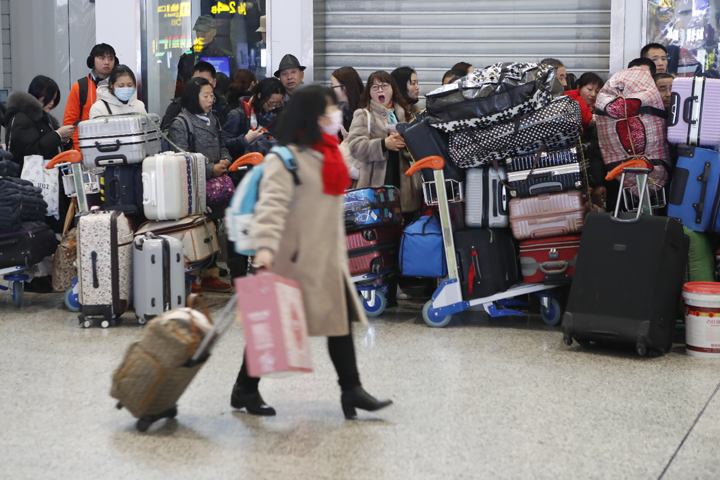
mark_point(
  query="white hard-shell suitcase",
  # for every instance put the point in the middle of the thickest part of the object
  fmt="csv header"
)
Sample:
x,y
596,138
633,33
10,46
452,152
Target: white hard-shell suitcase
x,y
118,139
158,275
173,185
104,241
486,198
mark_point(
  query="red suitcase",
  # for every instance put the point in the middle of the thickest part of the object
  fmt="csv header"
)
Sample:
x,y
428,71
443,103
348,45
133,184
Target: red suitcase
x,y
373,249
549,260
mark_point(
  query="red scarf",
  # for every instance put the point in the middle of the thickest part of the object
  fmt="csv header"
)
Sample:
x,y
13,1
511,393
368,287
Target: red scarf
x,y
336,178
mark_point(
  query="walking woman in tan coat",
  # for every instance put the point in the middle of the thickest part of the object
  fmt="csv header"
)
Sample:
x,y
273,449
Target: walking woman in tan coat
x,y
300,234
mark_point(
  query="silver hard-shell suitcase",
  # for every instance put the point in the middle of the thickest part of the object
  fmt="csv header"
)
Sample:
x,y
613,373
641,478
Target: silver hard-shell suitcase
x,y
118,139
158,275
486,198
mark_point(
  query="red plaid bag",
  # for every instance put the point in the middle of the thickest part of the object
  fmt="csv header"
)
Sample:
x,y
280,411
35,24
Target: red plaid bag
x,y
631,123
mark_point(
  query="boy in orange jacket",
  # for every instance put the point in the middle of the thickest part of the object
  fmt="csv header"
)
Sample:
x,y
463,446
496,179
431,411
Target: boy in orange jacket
x,y
83,93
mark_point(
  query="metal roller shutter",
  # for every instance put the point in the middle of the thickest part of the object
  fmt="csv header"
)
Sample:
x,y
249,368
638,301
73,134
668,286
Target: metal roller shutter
x,y
432,35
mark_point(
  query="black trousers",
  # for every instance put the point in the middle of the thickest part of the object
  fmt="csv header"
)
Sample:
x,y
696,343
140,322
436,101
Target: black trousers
x,y
342,354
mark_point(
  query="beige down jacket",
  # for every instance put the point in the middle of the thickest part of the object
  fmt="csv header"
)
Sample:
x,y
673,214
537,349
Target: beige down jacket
x,y
305,229
367,149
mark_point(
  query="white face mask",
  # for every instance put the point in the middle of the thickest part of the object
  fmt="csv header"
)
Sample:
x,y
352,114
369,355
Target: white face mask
x,y
336,121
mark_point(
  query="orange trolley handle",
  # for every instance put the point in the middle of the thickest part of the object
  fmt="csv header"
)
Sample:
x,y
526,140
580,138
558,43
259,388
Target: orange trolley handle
x,y
253,159
71,156
634,165
434,162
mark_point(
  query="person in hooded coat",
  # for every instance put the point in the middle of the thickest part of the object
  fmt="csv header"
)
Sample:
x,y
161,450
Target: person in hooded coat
x,y
31,130
119,96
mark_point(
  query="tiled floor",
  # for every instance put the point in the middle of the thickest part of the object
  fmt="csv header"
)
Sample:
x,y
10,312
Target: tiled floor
x,y
481,398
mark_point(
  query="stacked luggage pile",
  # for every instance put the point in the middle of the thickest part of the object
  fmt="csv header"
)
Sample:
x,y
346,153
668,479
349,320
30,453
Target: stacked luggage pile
x,y
135,247
373,222
516,137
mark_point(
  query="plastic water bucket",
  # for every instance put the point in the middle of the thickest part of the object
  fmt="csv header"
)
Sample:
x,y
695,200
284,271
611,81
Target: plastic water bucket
x,y
702,319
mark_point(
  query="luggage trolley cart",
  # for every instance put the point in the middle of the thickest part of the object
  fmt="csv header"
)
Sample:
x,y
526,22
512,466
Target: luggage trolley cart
x,y
368,285
78,183
448,299
16,277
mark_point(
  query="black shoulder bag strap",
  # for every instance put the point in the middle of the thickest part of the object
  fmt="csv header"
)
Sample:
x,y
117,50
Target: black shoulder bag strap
x,y
83,83
108,107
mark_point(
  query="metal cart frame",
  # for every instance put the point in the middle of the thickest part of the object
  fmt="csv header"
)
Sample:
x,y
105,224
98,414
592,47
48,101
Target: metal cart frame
x,y
448,298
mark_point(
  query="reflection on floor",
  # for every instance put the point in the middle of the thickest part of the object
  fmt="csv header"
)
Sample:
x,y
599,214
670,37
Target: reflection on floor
x,y
481,398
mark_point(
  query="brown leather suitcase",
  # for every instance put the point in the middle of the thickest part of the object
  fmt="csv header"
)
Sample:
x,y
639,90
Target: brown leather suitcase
x,y
548,215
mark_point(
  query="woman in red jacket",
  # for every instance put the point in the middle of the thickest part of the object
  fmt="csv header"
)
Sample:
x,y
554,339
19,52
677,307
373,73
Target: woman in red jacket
x,y
589,85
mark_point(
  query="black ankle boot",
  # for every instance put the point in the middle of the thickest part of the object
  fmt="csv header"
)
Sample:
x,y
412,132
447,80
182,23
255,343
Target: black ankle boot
x,y
251,401
359,398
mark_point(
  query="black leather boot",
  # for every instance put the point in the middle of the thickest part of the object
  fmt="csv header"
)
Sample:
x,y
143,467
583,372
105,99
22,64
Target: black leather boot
x,y
359,398
251,401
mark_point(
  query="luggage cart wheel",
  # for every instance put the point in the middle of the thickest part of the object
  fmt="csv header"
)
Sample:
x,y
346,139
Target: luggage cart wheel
x,y
568,340
641,349
432,319
552,315
377,307
18,288
71,300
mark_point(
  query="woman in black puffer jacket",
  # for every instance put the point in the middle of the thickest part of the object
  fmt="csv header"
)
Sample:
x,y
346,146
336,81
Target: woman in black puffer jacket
x,y
31,130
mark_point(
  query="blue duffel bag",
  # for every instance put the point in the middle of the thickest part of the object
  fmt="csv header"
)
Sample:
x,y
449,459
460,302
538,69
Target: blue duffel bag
x,y
421,250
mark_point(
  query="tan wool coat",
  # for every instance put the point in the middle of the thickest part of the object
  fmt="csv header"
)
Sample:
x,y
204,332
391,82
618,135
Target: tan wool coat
x,y
304,227
372,160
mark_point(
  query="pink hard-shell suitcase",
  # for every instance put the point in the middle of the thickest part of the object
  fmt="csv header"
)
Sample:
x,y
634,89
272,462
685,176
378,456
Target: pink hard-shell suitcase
x,y
548,215
693,117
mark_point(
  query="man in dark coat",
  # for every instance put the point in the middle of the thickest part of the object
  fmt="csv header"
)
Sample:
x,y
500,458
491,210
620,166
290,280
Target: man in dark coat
x,y
206,46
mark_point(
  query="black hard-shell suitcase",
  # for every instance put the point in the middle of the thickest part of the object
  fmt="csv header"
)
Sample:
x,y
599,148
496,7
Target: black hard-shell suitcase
x,y
27,246
487,261
423,141
553,172
122,190
628,282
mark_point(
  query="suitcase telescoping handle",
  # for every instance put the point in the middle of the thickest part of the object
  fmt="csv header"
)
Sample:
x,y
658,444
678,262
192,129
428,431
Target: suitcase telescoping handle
x,y
642,169
218,329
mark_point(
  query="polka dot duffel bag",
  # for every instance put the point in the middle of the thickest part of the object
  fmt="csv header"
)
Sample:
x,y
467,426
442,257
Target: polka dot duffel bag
x,y
496,94
555,126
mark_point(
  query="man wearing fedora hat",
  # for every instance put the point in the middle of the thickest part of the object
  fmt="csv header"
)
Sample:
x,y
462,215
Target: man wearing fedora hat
x,y
205,46
290,73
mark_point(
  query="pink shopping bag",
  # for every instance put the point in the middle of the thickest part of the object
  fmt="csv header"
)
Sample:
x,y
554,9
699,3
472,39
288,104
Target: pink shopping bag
x,y
273,316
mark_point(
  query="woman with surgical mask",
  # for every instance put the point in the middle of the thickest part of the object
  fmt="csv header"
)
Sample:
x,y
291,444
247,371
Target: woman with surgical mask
x,y
119,95
299,234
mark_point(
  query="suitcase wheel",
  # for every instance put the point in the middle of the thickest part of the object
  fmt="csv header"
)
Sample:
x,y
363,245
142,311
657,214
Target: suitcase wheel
x,y
144,423
105,323
432,319
85,322
141,320
552,315
567,339
641,349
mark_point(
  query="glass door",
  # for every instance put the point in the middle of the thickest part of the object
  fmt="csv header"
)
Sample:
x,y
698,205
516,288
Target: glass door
x,y
230,37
